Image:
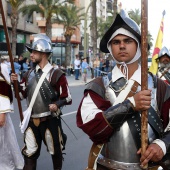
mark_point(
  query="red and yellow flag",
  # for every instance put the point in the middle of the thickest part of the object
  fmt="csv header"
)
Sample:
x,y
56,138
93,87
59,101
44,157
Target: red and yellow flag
x,y
154,65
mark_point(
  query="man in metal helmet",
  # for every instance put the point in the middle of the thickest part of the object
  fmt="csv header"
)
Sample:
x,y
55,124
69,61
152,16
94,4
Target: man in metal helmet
x,y
113,105
164,65
42,118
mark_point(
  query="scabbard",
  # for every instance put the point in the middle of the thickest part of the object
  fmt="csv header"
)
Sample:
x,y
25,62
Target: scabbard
x,y
94,152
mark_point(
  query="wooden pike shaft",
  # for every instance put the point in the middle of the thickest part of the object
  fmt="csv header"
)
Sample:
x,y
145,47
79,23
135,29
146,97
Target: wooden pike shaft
x,y
11,59
144,72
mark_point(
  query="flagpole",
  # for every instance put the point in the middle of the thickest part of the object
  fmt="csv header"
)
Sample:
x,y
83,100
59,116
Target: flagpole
x,y
144,73
11,59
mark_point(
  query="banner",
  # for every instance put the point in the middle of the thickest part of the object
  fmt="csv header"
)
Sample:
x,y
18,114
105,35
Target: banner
x,y
158,46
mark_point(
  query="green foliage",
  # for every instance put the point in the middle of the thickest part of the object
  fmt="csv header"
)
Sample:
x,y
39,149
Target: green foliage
x,y
69,16
45,7
136,16
15,3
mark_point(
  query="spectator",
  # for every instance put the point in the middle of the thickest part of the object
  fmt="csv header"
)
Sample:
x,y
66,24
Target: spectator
x,y
25,66
84,69
77,67
17,68
107,65
91,68
96,65
21,61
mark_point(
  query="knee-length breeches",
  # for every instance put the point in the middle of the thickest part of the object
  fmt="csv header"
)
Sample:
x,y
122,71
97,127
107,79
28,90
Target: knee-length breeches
x,y
48,131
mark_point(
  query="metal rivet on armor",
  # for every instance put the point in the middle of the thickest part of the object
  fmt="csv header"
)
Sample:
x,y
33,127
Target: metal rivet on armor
x,y
149,113
136,125
138,129
133,117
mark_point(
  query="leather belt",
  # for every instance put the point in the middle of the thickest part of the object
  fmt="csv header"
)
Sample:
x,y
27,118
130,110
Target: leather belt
x,y
37,121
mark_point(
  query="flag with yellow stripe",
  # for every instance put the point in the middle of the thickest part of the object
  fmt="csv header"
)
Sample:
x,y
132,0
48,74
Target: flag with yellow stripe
x,y
158,45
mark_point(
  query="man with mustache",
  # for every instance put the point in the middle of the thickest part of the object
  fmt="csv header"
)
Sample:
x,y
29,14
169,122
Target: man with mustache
x,y
42,119
164,65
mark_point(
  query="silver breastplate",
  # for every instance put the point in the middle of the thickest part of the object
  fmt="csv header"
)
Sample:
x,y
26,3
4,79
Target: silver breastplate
x,y
121,151
41,105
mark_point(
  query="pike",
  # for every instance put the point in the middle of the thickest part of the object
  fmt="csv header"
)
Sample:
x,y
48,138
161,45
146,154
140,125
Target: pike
x,y
144,73
11,59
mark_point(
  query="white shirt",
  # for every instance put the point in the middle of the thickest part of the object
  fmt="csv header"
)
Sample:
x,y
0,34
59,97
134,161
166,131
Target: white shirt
x,y
76,63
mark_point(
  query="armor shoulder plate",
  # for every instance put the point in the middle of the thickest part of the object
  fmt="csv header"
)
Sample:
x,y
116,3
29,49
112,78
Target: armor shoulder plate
x,y
96,86
56,74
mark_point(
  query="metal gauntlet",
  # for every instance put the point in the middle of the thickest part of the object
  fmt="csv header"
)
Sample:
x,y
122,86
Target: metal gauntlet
x,y
118,114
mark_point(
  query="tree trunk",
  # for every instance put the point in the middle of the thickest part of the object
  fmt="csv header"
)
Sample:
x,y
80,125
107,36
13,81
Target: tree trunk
x,y
94,28
67,50
14,23
49,28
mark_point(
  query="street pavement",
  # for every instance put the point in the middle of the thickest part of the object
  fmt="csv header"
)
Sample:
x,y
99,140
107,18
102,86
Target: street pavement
x,y
72,82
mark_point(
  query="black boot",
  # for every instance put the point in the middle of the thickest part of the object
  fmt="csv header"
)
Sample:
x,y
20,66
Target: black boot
x,y
57,162
30,164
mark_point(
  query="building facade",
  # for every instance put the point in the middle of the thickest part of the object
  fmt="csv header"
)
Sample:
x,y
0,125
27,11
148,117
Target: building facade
x,y
102,8
26,26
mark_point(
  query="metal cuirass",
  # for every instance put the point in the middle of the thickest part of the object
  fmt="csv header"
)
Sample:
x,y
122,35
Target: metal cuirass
x,y
45,96
121,150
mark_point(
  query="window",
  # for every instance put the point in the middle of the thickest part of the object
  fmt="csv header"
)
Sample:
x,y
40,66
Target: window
x,y
29,19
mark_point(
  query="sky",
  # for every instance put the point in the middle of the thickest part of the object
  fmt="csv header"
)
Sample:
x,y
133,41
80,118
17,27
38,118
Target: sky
x,y
155,10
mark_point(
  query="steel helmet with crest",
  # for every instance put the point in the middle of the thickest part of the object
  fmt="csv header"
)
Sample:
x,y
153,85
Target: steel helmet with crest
x,y
122,20
41,43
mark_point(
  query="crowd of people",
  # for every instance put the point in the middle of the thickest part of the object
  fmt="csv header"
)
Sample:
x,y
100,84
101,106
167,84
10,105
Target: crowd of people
x,y
97,67
109,112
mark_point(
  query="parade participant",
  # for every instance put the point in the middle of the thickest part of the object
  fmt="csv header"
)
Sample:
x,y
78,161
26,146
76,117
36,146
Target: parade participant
x,y
10,154
164,65
110,109
44,123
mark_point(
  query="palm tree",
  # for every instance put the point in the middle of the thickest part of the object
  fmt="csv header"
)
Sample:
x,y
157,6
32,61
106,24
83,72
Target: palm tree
x,y
70,17
136,16
46,8
15,5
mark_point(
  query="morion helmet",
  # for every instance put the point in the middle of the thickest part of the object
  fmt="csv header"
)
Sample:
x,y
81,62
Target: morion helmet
x,y
162,52
41,43
122,20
